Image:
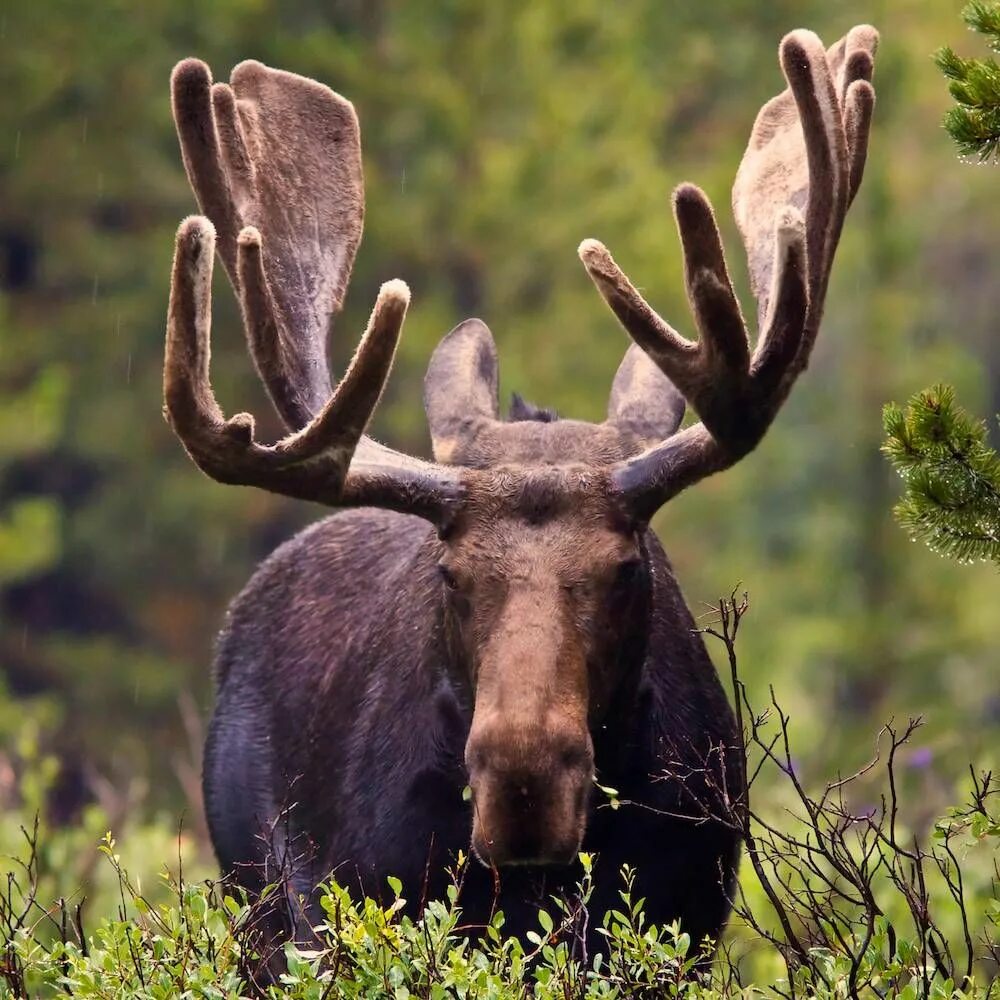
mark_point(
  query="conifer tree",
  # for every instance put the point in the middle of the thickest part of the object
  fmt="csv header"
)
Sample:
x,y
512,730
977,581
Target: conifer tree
x,y
952,476
974,122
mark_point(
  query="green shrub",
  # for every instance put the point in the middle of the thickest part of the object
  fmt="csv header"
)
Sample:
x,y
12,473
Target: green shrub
x,y
200,945
837,899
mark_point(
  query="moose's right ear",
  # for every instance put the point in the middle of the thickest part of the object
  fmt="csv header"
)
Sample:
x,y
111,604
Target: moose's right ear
x,y
460,387
644,405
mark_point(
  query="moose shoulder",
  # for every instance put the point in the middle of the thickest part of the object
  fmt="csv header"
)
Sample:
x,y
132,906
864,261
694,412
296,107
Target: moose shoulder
x,y
501,618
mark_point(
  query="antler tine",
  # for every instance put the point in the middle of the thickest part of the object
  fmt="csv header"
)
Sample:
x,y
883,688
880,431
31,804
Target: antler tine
x,y
312,463
859,104
226,449
701,370
282,154
803,59
190,404
674,353
710,290
807,151
784,325
191,101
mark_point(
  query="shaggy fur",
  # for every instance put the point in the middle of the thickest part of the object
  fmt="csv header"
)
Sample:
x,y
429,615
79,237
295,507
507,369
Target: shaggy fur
x,y
343,695
532,637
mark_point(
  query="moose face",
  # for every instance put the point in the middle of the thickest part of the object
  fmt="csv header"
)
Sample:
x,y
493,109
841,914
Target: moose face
x,y
546,588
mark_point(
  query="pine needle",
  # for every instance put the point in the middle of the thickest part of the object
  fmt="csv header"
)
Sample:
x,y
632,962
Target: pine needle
x,y
951,475
974,122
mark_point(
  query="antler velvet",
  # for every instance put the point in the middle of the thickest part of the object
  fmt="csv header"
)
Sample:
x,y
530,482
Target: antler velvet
x,y
275,161
800,172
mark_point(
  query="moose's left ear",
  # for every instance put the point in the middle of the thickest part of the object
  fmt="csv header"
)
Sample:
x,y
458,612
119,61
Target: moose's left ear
x,y
644,403
460,388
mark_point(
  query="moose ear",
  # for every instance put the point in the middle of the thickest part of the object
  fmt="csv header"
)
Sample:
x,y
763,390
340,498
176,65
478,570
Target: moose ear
x,y
644,405
460,387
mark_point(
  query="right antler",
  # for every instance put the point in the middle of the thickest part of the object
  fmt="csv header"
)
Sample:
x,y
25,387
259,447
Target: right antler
x,y
806,155
275,161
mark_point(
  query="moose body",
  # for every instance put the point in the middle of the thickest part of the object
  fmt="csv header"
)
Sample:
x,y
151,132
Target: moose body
x,y
501,617
341,699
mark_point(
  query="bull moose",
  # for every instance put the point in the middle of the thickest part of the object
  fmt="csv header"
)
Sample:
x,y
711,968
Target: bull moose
x,y
501,620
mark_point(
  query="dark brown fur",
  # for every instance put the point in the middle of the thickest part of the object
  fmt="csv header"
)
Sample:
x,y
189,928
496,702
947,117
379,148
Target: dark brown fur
x,y
362,689
505,619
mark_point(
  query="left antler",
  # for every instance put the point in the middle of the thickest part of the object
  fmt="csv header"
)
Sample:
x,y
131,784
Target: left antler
x,y
799,174
275,161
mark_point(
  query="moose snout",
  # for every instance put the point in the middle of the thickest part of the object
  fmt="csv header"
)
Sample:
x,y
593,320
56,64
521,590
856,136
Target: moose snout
x,y
530,794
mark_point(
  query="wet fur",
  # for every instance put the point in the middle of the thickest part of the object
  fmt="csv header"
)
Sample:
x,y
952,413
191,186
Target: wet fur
x,y
341,731
338,698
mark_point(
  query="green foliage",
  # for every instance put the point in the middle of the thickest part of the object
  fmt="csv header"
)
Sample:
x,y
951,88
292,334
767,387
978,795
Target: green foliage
x,y
839,900
952,475
974,123
199,941
66,869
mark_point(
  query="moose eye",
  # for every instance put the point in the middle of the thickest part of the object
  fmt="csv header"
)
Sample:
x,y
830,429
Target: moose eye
x,y
447,577
628,572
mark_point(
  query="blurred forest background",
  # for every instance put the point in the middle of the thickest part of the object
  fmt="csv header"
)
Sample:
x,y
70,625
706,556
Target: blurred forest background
x,y
496,137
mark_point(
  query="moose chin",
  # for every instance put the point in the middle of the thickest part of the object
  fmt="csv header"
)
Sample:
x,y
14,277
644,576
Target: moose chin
x,y
458,655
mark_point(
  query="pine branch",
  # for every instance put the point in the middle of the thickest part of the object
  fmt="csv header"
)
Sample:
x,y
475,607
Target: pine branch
x,y
984,19
951,476
974,122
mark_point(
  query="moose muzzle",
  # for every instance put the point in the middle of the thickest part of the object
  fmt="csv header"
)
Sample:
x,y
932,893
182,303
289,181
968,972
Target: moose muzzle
x,y
530,794
529,754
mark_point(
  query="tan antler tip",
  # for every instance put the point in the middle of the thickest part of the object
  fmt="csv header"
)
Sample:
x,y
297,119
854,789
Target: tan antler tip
x,y
250,68
222,95
800,45
196,230
395,290
863,36
593,253
249,237
861,92
190,72
602,268
240,428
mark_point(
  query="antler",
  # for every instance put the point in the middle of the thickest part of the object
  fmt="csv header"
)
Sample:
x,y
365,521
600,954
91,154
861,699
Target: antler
x,y
799,174
279,155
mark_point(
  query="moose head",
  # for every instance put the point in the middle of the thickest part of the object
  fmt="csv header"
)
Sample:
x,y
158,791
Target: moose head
x,y
543,576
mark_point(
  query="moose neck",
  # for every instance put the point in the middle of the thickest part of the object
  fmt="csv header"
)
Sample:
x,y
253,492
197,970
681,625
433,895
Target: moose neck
x,y
616,733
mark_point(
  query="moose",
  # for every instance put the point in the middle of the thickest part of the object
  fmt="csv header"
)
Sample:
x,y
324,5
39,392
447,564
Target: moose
x,y
458,655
